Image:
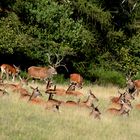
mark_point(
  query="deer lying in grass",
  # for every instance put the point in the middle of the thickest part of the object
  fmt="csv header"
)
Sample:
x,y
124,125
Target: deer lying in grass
x,y
71,90
71,103
53,103
59,91
123,96
95,112
10,86
90,99
124,109
3,92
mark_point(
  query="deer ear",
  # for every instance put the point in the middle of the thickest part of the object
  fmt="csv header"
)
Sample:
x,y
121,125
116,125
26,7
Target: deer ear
x,y
32,87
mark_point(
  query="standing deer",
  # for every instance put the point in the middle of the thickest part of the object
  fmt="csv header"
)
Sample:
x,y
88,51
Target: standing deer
x,y
77,79
9,70
44,73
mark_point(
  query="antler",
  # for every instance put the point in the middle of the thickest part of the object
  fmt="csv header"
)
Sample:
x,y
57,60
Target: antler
x,y
49,59
58,61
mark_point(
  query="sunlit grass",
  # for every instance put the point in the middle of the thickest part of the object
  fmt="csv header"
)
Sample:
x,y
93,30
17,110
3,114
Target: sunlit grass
x,y
20,120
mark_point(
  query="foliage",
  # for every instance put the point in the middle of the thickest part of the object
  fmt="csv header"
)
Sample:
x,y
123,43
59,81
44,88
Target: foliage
x,y
87,34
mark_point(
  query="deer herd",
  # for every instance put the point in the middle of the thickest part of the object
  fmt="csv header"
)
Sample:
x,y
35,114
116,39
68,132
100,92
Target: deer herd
x,y
122,102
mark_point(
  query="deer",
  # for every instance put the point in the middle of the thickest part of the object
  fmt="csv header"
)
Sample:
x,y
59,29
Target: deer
x,y
9,70
71,90
95,112
43,73
89,101
133,86
125,95
52,103
71,103
3,92
33,98
58,91
124,109
77,79
11,86
116,101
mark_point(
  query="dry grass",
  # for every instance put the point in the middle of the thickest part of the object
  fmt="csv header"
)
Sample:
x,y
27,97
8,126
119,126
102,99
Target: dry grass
x,y
22,121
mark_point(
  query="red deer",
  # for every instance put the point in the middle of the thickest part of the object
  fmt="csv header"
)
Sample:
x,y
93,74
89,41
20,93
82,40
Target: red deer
x,y
72,103
124,109
95,112
59,91
44,73
11,86
3,92
53,103
77,79
123,96
90,99
133,86
9,70
33,98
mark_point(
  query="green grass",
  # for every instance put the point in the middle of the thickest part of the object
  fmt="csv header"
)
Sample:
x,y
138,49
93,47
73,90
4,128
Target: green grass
x,y
20,120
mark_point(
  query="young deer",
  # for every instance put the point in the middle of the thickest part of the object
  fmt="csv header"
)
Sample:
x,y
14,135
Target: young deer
x,y
124,109
90,99
95,112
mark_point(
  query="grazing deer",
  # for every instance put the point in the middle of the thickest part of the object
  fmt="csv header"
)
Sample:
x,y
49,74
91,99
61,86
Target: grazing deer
x,y
9,70
44,73
95,112
90,99
124,110
77,79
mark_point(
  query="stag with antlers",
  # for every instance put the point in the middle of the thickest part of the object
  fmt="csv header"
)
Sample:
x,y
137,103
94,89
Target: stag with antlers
x,y
44,73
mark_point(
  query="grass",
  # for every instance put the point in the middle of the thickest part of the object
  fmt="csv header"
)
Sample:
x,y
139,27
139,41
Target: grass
x,y
20,120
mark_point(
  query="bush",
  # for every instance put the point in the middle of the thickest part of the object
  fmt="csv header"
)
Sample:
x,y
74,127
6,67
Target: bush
x,y
105,77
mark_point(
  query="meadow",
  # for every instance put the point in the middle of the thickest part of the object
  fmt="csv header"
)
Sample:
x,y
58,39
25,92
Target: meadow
x,y
20,120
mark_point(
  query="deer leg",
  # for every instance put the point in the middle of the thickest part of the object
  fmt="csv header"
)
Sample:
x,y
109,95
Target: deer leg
x,y
7,76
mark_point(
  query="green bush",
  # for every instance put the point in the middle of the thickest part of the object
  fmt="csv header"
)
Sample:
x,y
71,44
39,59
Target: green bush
x,y
105,77
59,79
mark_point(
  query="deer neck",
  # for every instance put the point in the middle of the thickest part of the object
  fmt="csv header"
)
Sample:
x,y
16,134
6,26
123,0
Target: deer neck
x,y
89,101
70,88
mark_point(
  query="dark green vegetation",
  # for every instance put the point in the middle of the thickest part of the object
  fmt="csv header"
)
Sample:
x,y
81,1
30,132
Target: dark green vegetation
x,y
97,38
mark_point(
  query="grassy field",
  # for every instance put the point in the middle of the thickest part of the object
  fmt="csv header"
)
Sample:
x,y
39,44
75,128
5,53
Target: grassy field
x,y
20,120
